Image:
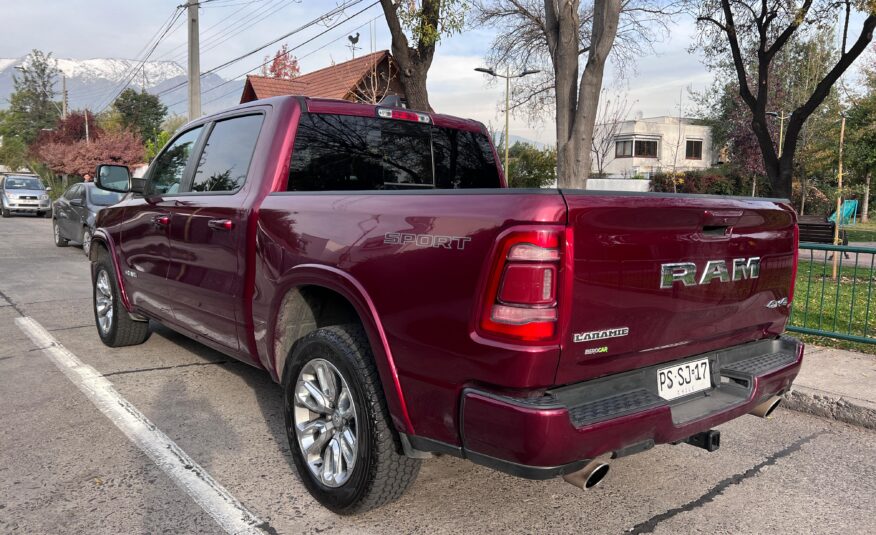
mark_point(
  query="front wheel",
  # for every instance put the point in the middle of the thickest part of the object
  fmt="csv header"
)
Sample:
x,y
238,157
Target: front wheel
x,y
337,423
86,241
114,325
5,213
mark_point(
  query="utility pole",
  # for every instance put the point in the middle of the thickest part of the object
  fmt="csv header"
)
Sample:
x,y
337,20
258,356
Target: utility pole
x,y
64,96
839,195
194,62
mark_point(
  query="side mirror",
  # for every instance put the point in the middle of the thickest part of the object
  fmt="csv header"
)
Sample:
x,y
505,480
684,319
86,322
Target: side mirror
x,y
113,178
48,188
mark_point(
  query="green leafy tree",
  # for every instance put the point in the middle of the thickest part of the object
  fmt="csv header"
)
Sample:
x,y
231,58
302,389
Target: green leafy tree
x,y
141,112
530,167
13,153
154,146
31,106
748,36
861,142
795,72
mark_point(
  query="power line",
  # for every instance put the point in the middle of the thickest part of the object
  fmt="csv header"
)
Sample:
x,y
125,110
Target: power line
x,y
307,25
230,80
215,35
164,27
177,14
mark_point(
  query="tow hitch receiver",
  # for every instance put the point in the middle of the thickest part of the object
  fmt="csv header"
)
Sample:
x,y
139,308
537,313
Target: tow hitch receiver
x,y
708,440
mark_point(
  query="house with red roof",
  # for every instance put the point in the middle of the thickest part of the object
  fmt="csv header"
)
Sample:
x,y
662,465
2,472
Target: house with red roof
x,y
368,79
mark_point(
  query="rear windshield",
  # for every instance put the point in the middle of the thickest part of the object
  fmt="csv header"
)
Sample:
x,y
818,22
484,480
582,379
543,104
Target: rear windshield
x,y
23,182
343,152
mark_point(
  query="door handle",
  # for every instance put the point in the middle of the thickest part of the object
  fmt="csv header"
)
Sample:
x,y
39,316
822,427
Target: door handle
x,y
161,221
221,224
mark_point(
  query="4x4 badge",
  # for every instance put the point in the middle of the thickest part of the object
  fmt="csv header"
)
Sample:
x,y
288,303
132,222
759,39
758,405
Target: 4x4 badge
x,y
599,335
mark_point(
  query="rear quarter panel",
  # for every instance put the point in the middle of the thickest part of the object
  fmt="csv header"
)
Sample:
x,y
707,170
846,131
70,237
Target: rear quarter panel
x,y
424,297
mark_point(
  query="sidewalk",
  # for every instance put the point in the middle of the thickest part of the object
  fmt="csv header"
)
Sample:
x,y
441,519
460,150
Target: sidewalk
x,y
836,384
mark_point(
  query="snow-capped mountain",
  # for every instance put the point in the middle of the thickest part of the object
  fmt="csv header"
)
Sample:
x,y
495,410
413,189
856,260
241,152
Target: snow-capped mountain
x,y
92,83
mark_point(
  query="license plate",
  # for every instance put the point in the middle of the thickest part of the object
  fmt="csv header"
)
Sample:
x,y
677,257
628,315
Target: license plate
x,y
683,379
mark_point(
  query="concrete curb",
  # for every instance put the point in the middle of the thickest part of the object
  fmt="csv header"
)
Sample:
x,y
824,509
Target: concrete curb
x,y
849,410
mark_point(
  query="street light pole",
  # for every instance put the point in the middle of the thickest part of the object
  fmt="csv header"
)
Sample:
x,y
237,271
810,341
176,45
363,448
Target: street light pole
x,y
507,104
507,76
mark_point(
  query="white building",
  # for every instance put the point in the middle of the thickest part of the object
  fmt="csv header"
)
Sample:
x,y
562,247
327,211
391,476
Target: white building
x,y
640,147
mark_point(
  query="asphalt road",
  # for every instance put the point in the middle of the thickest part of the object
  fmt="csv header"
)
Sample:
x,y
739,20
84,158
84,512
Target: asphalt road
x,y
67,468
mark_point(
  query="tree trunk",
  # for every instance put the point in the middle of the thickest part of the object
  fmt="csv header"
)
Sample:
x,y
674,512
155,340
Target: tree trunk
x,y
413,80
804,189
780,185
576,101
865,216
413,62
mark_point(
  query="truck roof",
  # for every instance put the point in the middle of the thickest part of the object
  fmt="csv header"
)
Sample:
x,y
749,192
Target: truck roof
x,y
345,107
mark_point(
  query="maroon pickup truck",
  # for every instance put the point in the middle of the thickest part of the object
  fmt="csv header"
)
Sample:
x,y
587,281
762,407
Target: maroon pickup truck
x,y
372,260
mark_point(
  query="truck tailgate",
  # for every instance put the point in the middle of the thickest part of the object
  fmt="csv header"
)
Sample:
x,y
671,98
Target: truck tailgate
x,y
661,277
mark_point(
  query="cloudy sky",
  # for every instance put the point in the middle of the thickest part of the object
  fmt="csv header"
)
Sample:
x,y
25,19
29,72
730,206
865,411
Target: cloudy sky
x,y
82,29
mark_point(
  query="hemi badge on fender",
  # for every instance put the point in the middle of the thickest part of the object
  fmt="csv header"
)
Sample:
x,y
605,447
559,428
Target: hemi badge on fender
x,y
599,335
131,273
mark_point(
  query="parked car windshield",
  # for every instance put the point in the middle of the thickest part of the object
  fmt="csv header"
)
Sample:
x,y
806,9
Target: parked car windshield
x,y
23,182
102,197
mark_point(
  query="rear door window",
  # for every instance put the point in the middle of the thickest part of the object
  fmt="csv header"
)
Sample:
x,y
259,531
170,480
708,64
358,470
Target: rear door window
x,y
227,154
343,152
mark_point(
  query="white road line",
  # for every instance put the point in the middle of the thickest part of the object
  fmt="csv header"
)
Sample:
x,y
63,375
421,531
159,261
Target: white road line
x,y
225,509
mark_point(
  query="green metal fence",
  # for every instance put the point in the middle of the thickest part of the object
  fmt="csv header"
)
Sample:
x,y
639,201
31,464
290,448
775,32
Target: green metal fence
x,y
841,308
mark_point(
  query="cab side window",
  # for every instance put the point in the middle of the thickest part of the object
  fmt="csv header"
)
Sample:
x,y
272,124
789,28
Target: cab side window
x,y
226,156
170,166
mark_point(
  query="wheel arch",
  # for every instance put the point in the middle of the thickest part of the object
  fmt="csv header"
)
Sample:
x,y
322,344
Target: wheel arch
x,y
101,240
315,296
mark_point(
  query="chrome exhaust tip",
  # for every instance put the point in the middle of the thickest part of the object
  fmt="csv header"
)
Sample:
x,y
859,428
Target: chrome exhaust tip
x,y
589,476
765,409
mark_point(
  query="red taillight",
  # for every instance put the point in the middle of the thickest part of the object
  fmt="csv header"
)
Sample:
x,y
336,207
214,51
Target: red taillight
x,y
404,115
521,294
796,259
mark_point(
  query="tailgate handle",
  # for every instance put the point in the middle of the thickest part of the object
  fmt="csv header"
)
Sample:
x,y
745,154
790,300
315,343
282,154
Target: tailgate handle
x,y
721,218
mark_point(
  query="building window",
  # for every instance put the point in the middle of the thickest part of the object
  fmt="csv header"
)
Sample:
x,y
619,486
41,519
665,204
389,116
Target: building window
x,y
694,149
623,149
646,149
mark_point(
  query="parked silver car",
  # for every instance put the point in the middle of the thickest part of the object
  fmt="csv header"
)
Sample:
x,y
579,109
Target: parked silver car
x,y
24,194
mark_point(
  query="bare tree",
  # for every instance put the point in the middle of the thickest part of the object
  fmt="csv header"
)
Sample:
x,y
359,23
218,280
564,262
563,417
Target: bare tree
x,y
611,115
521,42
376,84
756,31
570,43
679,140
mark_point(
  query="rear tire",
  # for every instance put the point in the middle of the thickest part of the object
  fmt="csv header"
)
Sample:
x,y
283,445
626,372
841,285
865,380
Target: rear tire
x,y
114,325
60,241
346,476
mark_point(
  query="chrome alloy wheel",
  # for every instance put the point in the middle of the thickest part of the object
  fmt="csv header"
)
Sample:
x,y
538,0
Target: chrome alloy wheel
x,y
103,302
325,422
86,242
